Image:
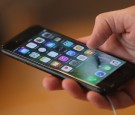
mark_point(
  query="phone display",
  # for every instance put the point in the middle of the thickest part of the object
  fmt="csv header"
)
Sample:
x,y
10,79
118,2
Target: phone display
x,y
67,57
55,51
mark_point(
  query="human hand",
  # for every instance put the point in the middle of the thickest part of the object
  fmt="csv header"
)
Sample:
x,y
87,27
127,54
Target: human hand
x,y
114,32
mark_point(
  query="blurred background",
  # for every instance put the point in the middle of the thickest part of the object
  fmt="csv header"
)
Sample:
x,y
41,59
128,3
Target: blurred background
x,y
21,91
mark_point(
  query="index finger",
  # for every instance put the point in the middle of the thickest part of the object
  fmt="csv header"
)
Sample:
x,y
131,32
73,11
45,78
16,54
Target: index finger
x,y
100,34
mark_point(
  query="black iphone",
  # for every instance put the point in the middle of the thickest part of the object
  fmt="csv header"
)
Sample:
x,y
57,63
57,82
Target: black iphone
x,y
64,57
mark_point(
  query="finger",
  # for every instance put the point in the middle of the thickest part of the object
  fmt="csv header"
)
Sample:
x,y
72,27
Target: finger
x,y
105,25
129,88
98,100
100,32
52,83
121,100
113,44
84,39
74,89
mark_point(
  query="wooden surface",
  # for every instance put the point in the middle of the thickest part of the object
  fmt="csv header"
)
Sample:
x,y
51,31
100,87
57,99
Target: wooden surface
x,y
21,91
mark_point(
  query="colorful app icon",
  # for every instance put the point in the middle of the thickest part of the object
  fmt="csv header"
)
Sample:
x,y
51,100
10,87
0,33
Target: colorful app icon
x,y
45,59
60,49
46,35
56,64
42,50
92,79
66,68
82,57
100,73
74,63
58,39
34,55
89,52
31,45
39,40
23,50
107,68
63,58
78,48
71,53
115,63
52,54
68,43
50,44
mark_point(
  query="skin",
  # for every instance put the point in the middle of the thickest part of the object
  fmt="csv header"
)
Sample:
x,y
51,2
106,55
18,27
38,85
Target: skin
x,y
114,32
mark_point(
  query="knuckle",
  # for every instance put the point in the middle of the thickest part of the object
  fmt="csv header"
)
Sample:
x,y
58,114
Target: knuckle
x,y
101,16
105,16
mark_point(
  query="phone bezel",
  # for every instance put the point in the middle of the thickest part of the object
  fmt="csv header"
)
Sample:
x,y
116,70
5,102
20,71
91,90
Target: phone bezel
x,y
107,85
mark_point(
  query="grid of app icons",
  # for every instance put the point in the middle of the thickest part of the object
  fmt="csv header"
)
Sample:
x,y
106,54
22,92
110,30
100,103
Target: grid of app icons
x,y
39,40
115,63
46,35
56,64
60,49
52,54
57,39
71,53
92,79
63,58
74,63
78,48
66,68
31,45
45,59
68,43
42,49
89,52
50,44
34,54
64,55
82,57
23,50
100,73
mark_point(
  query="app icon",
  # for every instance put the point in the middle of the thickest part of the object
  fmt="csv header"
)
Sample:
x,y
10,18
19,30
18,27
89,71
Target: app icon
x,y
107,68
68,43
78,47
66,68
63,58
50,44
115,62
74,63
100,73
31,45
52,54
45,59
71,53
42,50
60,49
34,55
82,57
57,39
46,35
23,50
39,40
89,52
92,79
56,64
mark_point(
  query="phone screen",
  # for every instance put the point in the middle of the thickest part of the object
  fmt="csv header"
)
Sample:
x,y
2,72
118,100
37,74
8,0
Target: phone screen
x,y
73,58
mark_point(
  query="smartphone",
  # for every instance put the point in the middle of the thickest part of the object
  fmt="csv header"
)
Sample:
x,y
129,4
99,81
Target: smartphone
x,y
65,57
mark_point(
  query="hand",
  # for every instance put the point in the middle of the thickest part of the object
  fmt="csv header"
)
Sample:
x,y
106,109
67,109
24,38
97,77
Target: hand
x,y
114,32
